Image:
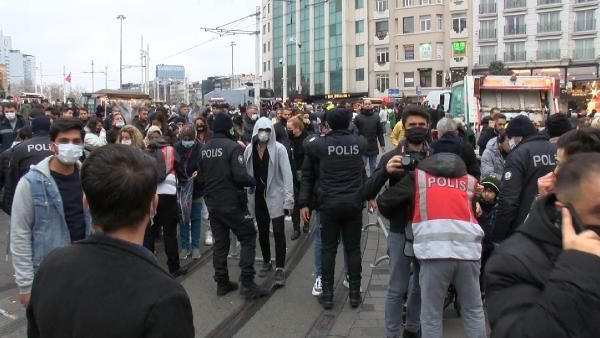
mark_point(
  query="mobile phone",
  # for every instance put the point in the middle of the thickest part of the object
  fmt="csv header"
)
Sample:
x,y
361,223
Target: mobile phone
x,y
577,223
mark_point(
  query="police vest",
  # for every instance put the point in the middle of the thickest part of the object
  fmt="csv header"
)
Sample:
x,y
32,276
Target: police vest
x,y
444,224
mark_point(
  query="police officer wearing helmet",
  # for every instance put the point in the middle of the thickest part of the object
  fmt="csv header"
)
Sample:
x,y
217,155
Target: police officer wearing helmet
x,y
532,156
337,157
223,180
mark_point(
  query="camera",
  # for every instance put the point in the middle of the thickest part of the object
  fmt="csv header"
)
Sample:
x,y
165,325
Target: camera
x,y
409,163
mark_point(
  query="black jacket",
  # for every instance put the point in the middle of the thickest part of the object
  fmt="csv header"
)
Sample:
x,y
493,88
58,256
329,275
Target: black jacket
x,y
368,125
536,289
104,287
8,134
178,168
281,134
400,217
338,159
141,126
452,143
486,135
190,162
248,129
222,174
531,159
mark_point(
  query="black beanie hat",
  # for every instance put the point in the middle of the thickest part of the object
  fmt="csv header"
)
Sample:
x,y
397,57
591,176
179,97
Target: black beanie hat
x,y
558,124
491,183
222,123
338,118
40,124
520,126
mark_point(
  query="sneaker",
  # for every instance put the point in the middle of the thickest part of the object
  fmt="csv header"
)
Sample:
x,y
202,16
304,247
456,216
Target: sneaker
x,y
295,235
305,228
225,288
184,253
196,254
279,277
209,238
252,291
265,270
288,218
317,289
347,283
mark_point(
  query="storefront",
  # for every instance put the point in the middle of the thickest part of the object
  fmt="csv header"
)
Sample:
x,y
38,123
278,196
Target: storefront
x,y
336,97
581,94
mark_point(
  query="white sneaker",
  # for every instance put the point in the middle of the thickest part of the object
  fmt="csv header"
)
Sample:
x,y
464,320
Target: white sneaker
x,y
184,253
209,238
288,218
196,254
317,290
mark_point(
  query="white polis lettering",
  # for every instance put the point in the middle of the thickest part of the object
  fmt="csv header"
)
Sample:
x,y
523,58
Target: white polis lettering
x,y
38,147
343,150
210,153
545,159
453,183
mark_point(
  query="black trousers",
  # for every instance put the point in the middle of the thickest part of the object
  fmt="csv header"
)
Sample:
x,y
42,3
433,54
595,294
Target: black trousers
x,y
221,222
166,217
348,222
263,220
296,212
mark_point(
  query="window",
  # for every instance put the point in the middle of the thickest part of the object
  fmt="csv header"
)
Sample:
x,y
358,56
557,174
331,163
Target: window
x,y
269,65
459,22
397,50
358,4
408,25
425,78
439,75
425,51
360,74
264,66
383,82
409,52
396,26
515,51
425,2
549,2
425,23
381,29
359,26
585,21
487,30
549,22
487,55
515,25
383,55
268,27
584,49
509,4
360,50
264,29
408,3
381,5
439,50
487,7
264,47
409,79
440,22
397,81
268,46
548,50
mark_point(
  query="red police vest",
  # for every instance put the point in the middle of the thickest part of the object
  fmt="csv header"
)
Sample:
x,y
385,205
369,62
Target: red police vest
x,y
444,225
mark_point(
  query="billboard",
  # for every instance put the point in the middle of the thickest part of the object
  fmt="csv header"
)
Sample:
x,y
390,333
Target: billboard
x,y
172,72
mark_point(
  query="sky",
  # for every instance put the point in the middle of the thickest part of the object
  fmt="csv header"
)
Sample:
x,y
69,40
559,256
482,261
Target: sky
x,y
72,33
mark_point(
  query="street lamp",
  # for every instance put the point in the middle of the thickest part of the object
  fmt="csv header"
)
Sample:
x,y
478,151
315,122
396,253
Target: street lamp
x,y
283,62
232,45
121,17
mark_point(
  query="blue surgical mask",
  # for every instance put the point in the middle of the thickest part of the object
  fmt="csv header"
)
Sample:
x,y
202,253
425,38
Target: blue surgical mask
x,y
187,144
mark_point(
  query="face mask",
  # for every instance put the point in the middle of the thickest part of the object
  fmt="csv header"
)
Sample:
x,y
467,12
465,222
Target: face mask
x,y
69,153
120,124
254,117
512,143
126,142
11,116
416,135
263,136
187,144
200,128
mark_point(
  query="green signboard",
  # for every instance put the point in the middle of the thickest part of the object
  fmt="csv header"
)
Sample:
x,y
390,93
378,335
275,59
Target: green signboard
x,y
459,47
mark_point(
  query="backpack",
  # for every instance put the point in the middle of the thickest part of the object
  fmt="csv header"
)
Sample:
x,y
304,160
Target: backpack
x,y
165,161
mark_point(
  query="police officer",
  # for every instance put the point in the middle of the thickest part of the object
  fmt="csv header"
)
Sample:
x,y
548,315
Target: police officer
x,y
223,178
532,156
337,157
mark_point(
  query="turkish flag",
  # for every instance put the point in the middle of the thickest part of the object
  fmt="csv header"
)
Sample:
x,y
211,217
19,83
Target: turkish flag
x,y
68,78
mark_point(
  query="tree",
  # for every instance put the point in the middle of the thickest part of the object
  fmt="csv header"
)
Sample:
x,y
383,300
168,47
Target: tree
x,y
497,68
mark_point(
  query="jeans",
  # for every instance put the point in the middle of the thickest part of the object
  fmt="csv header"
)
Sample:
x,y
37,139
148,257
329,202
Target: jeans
x,y
263,220
372,162
194,228
398,285
166,217
346,221
436,276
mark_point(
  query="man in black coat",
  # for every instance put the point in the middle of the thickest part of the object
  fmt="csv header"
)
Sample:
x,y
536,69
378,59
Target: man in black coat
x,y
449,141
499,121
368,125
10,124
109,285
543,281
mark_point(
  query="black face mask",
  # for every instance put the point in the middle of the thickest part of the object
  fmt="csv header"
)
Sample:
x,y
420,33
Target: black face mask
x,y
416,135
578,224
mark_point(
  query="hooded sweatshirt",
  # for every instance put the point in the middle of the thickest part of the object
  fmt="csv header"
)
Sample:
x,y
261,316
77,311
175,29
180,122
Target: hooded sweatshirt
x,y
279,192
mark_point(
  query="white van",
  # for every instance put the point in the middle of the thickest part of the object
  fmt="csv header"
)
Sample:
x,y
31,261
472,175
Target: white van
x,y
433,99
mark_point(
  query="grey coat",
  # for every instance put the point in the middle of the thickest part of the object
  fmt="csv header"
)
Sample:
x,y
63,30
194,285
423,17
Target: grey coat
x,y
492,161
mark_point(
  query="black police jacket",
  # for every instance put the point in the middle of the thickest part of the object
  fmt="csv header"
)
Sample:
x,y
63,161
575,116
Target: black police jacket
x,y
531,159
534,288
7,133
222,174
337,158
369,126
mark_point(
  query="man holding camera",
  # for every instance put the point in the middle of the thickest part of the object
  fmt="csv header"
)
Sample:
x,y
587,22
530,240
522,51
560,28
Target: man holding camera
x,y
416,122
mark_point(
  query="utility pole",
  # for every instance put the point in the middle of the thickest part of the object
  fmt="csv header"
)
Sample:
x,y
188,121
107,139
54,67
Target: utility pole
x,y
232,45
92,76
121,17
142,81
257,77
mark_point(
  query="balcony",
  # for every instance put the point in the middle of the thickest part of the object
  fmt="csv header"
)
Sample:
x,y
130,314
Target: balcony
x,y
381,66
549,3
459,35
456,5
583,54
487,35
381,38
585,26
585,3
515,4
515,57
381,14
543,55
485,60
549,27
515,31
486,8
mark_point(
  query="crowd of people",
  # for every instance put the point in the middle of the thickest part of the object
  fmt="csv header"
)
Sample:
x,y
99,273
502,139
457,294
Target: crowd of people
x,y
509,219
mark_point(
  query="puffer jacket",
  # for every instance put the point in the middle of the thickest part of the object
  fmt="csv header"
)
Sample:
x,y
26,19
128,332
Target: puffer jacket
x,y
492,161
368,125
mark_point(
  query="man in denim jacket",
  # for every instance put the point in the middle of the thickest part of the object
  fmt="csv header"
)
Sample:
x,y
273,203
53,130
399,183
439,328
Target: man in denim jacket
x,y
48,210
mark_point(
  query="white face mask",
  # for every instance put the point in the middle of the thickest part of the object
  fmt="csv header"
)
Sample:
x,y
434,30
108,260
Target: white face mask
x,y
254,117
512,143
69,153
263,136
126,142
11,116
120,124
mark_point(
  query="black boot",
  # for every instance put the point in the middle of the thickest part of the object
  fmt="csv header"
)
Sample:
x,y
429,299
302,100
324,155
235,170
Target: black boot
x,y
326,299
355,297
226,287
265,269
305,228
295,235
250,291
